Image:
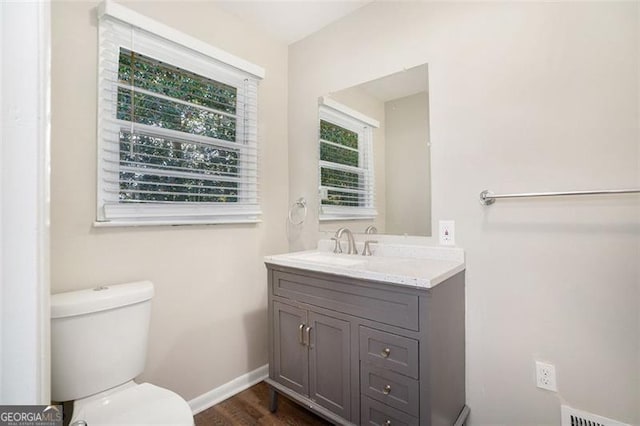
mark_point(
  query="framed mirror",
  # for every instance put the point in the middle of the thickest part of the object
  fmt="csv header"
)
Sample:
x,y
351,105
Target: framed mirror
x,y
374,155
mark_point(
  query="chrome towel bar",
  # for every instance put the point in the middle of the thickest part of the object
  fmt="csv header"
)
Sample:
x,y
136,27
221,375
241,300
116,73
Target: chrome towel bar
x,y
487,197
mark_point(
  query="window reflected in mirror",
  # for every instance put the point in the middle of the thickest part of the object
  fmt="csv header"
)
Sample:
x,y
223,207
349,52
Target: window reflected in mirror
x,y
374,155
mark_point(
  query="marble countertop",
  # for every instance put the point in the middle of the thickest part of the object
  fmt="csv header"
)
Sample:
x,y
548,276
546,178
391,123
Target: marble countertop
x,y
415,266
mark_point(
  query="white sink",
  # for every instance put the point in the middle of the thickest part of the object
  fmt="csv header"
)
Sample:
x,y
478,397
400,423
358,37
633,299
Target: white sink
x,y
330,259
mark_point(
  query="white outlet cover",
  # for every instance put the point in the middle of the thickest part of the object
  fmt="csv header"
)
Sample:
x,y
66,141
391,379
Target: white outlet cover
x,y
447,232
546,376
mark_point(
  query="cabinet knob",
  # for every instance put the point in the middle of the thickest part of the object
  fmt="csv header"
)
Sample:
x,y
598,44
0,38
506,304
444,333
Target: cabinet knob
x,y
387,423
386,390
385,353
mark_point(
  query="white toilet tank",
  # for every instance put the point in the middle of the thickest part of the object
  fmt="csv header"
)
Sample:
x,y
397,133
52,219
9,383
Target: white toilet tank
x,y
98,338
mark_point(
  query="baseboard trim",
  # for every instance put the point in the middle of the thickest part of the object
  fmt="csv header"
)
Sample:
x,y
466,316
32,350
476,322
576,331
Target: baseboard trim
x,y
219,394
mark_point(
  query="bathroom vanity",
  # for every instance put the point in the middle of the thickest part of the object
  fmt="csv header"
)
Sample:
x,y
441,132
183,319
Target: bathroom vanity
x,y
375,340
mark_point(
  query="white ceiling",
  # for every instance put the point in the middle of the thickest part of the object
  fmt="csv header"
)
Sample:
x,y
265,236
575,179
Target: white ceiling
x,y
398,85
292,20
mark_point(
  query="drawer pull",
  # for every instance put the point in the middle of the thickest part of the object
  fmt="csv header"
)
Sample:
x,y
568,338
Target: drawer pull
x,y
386,390
387,423
385,353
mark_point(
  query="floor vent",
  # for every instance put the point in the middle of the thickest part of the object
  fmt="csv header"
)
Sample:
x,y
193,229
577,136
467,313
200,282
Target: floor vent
x,y
573,417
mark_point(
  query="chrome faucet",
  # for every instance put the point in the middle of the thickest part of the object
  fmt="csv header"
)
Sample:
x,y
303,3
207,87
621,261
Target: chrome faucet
x,y
367,244
367,247
352,243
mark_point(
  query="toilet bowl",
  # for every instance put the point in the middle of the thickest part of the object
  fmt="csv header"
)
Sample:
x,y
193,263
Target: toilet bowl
x,y
98,345
133,404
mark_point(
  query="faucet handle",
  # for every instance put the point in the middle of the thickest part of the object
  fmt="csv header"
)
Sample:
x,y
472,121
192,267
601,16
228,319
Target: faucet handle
x,y
337,249
371,230
366,251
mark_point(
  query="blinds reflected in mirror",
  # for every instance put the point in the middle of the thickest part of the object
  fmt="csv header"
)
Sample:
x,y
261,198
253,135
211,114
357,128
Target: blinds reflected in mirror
x,y
346,165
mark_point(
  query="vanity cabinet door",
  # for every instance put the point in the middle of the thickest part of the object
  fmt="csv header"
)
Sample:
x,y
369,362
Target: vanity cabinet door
x,y
290,351
329,363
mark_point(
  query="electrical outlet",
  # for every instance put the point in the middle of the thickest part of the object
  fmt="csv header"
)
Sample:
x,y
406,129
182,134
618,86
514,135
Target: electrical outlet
x,y
546,376
447,232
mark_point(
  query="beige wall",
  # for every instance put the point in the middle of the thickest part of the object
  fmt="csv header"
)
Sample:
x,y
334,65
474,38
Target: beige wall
x,y
523,97
209,313
408,196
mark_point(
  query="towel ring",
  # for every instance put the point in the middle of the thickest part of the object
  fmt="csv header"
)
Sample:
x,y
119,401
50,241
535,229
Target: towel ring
x,y
300,203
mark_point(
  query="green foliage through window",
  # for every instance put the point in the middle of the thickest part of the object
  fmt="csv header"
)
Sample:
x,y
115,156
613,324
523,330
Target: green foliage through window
x,y
340,146
158,112
334,133
149,165
339,178
163,169
156,76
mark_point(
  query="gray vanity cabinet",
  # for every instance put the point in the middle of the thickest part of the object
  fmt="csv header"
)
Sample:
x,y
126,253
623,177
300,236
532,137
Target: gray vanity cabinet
x,y
311,356
364,352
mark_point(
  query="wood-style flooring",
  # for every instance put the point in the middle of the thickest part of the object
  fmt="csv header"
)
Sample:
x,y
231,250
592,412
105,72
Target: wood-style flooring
x,y
251,407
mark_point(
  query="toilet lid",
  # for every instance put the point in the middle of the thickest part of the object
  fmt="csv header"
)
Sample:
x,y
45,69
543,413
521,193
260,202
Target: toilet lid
x,y
139,405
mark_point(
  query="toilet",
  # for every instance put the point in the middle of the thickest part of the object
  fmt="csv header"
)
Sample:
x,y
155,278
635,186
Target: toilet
x,y
98,346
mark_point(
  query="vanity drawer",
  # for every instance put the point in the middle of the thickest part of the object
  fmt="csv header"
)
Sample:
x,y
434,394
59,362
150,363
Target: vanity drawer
x,y
345,295
389,351
391,388
376,413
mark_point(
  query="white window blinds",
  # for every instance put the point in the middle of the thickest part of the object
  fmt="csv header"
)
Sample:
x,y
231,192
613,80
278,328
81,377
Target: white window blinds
x,y
346,164
177,130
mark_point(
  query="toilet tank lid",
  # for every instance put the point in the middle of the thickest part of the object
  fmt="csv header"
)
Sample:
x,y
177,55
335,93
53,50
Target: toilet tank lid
x,y
98,299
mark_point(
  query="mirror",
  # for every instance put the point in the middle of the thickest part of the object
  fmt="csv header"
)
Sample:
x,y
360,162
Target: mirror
x,y
400,148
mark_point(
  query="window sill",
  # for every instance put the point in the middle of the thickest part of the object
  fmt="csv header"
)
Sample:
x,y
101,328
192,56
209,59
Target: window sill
x,y
132,214
186,222
336,213
339,218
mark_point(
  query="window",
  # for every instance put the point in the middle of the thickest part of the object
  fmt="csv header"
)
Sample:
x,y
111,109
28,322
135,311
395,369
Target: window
x,y
176,127
346,163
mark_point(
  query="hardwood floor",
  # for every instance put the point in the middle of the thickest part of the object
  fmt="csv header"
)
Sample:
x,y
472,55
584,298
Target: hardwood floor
x,y
251,407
